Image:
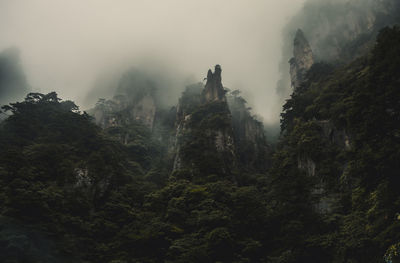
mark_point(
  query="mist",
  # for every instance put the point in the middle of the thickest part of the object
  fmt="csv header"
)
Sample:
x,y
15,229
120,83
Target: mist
x,y
69,46
338,31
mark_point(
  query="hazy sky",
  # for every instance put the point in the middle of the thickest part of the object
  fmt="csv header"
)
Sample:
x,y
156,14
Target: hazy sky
x,y
66,44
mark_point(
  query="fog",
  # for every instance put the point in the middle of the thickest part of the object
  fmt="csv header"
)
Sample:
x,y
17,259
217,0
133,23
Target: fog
x,y
67,46
337,30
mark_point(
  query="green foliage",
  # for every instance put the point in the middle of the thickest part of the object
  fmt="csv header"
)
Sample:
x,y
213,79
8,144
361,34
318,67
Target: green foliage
x,y
71,192
206,123
360,100
61,175
100,197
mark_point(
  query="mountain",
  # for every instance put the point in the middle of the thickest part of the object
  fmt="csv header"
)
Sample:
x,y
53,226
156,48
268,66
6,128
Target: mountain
x,y
337,155
13,83
204,139
337,31
207,117
302,59
89,194
136,179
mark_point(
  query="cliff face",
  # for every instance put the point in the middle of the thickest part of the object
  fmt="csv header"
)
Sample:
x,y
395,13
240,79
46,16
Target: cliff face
x,y
337,31
343,30
204,142
328,134
191,99
251,143
214,91
302,59
134,102
213,135
343,146
216,133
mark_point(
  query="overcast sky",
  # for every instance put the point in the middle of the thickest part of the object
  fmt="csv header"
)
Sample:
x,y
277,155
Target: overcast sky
x,y
66,44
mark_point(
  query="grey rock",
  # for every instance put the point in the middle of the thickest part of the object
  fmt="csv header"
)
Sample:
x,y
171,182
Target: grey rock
x,y
302,59
213,90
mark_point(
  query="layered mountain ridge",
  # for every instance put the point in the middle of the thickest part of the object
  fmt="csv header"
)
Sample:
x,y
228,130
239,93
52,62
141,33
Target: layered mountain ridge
x,y
206,116
134,180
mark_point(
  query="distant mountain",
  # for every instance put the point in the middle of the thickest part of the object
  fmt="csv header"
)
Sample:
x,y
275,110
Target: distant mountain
x,y
338,31
13,83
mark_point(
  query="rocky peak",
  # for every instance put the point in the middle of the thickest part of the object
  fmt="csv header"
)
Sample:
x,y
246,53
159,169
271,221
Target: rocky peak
x,y
134,101
204,133
302,59
213,90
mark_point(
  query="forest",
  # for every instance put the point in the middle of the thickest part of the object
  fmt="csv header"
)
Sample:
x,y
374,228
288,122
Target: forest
x,y
132,179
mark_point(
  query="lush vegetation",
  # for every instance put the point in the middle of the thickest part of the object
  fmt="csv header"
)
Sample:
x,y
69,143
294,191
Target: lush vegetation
x,y
72,192
358,171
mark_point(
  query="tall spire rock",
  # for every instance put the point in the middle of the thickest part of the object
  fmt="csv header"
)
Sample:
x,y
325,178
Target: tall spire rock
x,y
214,91
302,59
204,142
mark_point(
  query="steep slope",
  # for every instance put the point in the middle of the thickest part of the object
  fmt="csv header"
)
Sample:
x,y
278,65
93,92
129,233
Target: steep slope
x,y
216,133
133,101
62,184
339,157
204,139
252,149
302,59
337,31
72,193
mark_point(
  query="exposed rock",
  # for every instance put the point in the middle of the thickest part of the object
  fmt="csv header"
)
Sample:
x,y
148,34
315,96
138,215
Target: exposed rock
x,y
251,143
190,99
214,91
336,136
134,102
326,201
228,130
144,111
89,186
306,164
204,132
82,178
337,31
302,61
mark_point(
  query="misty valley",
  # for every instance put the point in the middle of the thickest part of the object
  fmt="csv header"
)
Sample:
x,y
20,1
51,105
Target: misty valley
x,y
151,164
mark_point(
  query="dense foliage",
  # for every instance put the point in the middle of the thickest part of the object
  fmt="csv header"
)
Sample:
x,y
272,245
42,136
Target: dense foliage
x,y
72,192
344,124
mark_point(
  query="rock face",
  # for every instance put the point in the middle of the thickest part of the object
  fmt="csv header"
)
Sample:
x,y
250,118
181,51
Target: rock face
x,y
204,144
191,99
336,136
214,91
251,143
306,164
134,102
144,111
212,135
302,59
333,138
299,65
216,133
337,31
